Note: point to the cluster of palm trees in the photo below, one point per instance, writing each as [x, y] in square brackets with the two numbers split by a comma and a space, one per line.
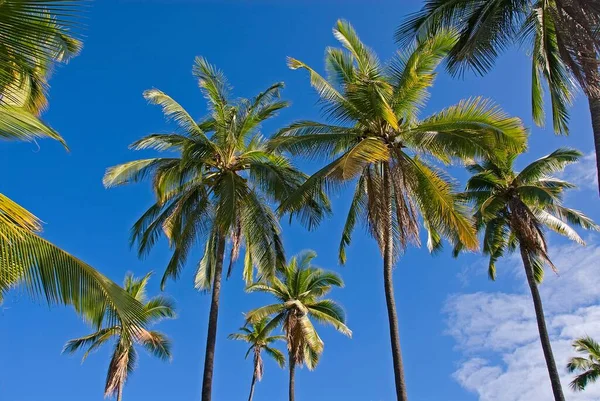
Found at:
[223, 185]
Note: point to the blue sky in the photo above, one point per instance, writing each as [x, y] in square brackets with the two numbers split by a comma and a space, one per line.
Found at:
[461, 334]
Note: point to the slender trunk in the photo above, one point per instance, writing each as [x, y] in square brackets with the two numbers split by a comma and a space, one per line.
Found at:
[252, 386]
[120, 393]
[292, 376]
[594, 102]
[388, 265]
[541, 322]
[211, 339]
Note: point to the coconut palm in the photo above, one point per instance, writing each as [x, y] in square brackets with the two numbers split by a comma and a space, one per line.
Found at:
[562, 36]
[124, 356]
[299, 289]
[215, 186]
[513, 209]
[588, 367]
[258, 335]
[378, 139]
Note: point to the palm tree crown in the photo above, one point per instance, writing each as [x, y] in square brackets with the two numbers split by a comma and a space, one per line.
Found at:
[218, 183]
[299, 289]
[514, 208]
[386, 146]
[588, 367]
[124, 356]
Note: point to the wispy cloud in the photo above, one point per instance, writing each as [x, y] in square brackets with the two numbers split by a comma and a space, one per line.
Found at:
[497, 336]
[583, 173]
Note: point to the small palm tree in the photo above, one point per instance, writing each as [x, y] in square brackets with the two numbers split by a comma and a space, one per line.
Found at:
[513, 209]
[258, 335]
[299, 289]
[588, 367]
[378, 140]
[215, 186]
[124, 356]
[562, 36]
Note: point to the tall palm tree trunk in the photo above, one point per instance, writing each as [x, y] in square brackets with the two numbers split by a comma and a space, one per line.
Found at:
[388, 265]
[541, 322]
[211, 339]
[120, 392]
[252, 386]
[594, 102]
[292, 364]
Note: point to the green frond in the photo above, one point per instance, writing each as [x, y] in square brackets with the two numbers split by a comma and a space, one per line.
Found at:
[49, 273]
[547, 64]
[328, 312]
[552, 163]
[276, 355]
[157, 344]
[213, 84]
[13, 214]
[357, 211]
[472, 128]
[36, 36]
[440, 205]
[413, 72]
[557, 225]
[173, 111]
[19, 124]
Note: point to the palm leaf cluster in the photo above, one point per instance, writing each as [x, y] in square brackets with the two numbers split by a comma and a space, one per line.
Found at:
[514, 208]
[380, 140]
[124, 356]
[299, 290]
[562, 36]
[35, 34]
[588, 367]
[217, 182]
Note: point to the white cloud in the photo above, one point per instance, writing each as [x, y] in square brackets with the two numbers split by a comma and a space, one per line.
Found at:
[497, 335]
[583, 173]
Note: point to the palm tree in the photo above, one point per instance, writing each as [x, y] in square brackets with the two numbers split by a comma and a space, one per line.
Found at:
[513, 209]
[589, 366]
[562, 36]
[299, 289]
[378, 138]
[215, 186]
[258, 335]
[124, 357]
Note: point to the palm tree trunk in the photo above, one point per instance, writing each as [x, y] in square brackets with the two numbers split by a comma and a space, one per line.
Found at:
[211, 339]
[594, 102]
[541, 322]
[292, 364]
[388, 265]
[120, 392]
[252, 386]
